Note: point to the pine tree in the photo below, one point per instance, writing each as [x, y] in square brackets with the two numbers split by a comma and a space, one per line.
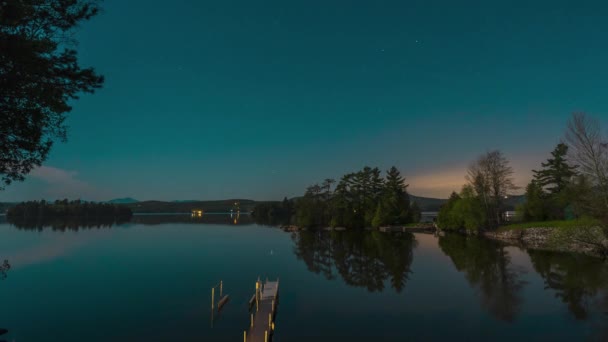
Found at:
[556, 173]
[395, 197]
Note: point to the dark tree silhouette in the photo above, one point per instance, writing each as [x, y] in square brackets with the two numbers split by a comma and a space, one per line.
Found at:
[39, 75]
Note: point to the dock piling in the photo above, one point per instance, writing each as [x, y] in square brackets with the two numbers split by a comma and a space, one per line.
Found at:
[212, 296]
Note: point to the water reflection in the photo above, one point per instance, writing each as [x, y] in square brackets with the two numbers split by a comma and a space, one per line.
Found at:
[361, 259]
[71, 224]
[488, 268]
[579, 281]
[4, 268]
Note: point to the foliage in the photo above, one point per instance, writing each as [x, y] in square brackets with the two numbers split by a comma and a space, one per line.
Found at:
[446, 219]
[38, 78]
[464, 211]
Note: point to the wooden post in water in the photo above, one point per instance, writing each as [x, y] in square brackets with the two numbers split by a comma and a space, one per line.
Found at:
[269, 320]
[252, 320]
[212, 296]
[257, 296]
[266, 336]
[245, 336]
[221, 288]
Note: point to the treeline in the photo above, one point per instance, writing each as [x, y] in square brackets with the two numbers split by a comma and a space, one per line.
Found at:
[360, 199]
[571, 184]
[274, 213]
[64, 209]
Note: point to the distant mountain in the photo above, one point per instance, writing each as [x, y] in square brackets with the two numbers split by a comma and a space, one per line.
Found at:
[427, 203]
[216, 206]
[126, 200]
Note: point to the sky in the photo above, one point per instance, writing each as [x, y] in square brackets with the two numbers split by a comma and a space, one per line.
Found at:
[259, 99]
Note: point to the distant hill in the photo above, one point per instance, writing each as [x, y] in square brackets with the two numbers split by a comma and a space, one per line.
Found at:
[427, 203]
[187, 206]
[125, 200]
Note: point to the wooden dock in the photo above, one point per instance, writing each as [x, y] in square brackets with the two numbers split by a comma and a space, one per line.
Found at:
[263, 312]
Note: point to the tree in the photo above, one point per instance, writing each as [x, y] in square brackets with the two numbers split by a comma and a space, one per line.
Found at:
[555, 177]
[462, 211]
[38, 78]
[395, 197]
[556, 173]
[590, 151]
[535, 206]
[491, 177]
[446, 218]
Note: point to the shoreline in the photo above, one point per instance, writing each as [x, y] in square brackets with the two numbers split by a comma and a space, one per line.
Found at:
[529, 238]
[540, 239]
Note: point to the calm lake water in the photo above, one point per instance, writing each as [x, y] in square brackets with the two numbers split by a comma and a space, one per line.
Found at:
[151, 279]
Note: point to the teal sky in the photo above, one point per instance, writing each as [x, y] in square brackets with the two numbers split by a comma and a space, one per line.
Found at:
[258, 99]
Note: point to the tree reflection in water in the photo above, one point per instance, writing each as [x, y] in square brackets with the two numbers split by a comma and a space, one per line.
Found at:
[4, 268]
[579, 281]
[362, 259]
[487, 267]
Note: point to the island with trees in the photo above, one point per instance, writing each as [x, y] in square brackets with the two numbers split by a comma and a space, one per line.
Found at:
[359, 200]
[67, 214]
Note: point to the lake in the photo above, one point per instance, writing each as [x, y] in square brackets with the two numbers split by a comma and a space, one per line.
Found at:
[150, 280]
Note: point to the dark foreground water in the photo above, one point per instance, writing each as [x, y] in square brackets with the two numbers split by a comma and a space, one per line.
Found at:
[151, 279]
